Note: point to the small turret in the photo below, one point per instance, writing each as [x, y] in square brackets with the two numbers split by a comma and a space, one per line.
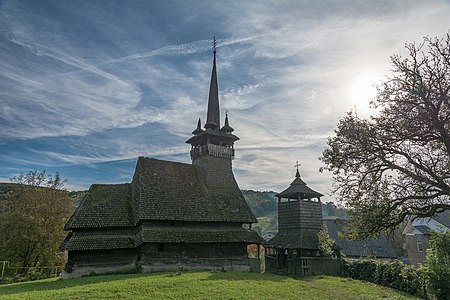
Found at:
[199, 129]
[226, 128]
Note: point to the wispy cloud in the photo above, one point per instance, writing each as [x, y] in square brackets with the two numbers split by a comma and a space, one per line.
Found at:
[89, 86]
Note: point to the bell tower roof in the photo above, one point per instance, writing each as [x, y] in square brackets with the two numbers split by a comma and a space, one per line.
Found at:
[298, 189]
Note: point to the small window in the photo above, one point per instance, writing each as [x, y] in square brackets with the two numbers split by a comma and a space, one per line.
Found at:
[161, 247]
[419, 246]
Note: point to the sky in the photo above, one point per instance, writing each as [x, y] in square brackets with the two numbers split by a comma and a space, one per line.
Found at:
[86, 87]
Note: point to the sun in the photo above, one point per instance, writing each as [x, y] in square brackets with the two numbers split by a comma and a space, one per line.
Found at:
[363, 90]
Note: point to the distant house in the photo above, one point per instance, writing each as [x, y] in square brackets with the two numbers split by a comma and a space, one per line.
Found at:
[377, 248]
[417, 234]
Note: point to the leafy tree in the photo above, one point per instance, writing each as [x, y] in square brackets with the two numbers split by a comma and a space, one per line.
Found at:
[437, 265]
[325, 242]
[396, 163]
[34, 212]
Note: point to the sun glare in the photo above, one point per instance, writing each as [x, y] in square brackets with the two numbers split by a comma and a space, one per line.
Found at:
[363, 90]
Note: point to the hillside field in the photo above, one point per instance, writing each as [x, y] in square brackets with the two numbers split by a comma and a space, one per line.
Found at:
[199, 285]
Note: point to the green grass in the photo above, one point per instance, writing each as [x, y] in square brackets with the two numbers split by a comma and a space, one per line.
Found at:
[199, 285]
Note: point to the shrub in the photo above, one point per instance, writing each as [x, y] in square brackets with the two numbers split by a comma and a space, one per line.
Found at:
[437, 267]
[392, 274]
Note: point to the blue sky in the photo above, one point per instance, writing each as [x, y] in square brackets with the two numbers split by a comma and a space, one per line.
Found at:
[88, 86]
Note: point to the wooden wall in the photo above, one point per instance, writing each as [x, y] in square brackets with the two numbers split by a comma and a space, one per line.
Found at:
[206, 256]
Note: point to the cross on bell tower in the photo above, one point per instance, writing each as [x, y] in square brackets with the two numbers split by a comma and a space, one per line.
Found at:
[297, 165]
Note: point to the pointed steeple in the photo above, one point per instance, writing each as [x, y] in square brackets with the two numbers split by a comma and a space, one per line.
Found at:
[199, 128]
[213, 115]
[214, 142]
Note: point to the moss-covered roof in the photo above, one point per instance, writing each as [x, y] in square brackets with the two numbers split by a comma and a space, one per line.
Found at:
[175, 191]
[200, 236]
[99, 241]
[295, 239]
[105, 205]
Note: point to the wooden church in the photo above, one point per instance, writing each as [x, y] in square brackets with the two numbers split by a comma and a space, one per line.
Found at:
[171, 215]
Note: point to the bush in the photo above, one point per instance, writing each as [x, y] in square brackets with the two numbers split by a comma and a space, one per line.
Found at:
[437, 267]
[392, 274]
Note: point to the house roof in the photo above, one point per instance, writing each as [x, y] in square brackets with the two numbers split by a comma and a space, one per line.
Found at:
[424, 226]
[380, 247]
[423, 229]
[443, 218]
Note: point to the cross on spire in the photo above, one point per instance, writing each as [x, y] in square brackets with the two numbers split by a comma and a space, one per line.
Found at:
[297, 174]
[214, 44]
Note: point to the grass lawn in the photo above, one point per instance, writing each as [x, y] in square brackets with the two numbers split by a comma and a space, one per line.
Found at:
[199, 285]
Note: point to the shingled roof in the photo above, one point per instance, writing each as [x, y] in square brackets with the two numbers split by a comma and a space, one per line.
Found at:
[105, 205]
[298, 190]
[295, 239]
[380, 247]
[200, 236]
[168, 190]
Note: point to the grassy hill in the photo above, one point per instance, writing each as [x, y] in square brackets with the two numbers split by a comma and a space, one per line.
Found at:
[199, 285]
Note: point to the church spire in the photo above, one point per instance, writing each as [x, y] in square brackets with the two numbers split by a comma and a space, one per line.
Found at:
[214, 143]
[213, 116]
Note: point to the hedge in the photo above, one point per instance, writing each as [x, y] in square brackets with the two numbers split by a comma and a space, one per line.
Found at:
[392, 274]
